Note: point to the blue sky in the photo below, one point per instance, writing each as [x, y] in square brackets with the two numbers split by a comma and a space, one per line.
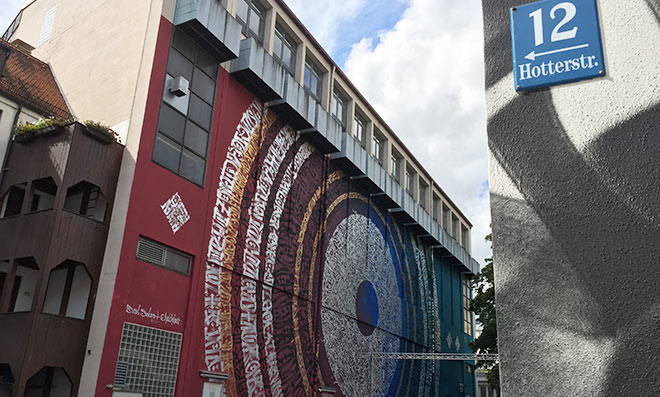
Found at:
[372, 19]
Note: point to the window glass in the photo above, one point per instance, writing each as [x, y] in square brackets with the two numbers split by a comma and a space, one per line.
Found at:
[192, 167]
[172, 123]
[182, 43]
[358, 129]
[242, 10]
[255, 21]
[182, 140]
[207, 64]
[338, 107]
[200, 112]
[177, 262]
[287, 56]
[166, 153]
[178, 65]
[284, 48]
[312, 80]
[203, 86]
[394, 165]
[196, 139]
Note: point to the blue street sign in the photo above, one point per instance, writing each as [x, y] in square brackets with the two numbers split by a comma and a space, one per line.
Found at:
[555, 42]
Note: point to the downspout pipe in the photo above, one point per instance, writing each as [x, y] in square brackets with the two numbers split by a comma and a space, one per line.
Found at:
[11, 140]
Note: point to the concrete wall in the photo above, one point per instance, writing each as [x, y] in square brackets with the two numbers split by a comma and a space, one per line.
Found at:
[574, 197]
[95, 49]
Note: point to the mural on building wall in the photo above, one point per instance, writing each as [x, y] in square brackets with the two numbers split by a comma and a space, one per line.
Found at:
[306, 276]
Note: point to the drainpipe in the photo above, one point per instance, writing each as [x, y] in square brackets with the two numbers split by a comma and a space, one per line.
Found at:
[11, 140]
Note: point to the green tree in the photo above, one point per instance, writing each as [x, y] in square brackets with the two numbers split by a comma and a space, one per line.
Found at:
[483, 305]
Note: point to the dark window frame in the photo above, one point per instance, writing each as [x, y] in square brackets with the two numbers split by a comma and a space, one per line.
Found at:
[260, 10]
[313, 70]
[338, 99]
[190, 123]
[286, 40]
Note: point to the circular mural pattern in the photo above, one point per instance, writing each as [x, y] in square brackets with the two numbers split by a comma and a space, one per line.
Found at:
[358, 264]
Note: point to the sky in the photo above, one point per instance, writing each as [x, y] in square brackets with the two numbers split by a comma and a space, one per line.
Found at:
[420, 65]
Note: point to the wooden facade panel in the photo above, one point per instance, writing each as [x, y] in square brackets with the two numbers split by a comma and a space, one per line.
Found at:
[31, 340]
[14, 344]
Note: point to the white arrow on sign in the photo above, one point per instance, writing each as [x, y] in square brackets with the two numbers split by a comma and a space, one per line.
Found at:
[531, 56]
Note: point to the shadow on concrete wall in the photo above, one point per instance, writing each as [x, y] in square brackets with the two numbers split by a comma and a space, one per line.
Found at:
[578, 300]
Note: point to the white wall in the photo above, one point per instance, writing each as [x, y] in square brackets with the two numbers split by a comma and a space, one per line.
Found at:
[79, 294]
[55, 291]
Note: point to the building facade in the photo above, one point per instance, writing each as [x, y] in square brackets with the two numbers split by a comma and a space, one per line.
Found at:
[574, 181]
[268, 232]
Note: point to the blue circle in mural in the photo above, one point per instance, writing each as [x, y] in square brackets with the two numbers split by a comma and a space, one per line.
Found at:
[366, 308]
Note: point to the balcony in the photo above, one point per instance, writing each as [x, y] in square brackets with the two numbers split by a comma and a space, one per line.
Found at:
[56, 200]
[260, 73]
[356, 162]
[211, 26]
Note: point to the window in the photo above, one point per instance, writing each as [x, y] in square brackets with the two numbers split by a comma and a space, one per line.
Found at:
[49, 381]
[47, 26]
[436, 208]
[359, 126]
[163, 256]
[338, 107]
[465, 239]
[86, 199]
[446, 214]
[148, 360]
[467, 314]
[313, 79]
[284, 49]
[24, 284]
[423, 193]
[378, 147]
[43, 194]
[454, 226]
[13, 201]
[410, 181]
[68, 290]
[184, 123]
[468, 368]
[251, 15]
[395, 166]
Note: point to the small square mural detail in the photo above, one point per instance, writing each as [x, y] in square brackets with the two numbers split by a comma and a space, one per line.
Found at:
[176, 212]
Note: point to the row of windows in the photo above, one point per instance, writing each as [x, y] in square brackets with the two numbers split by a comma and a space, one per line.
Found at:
[67, 293]
[186, 112]
[185, 120]
[83, 198]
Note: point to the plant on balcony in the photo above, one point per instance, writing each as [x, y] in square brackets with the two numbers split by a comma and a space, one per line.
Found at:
[42, 127]
[102, 132]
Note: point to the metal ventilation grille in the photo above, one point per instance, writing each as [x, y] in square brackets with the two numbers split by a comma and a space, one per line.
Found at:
[150, 358]
[150, 251]
[121, 372]
[162, 255]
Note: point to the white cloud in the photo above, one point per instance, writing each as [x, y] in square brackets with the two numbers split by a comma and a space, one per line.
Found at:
[429, 86]
[430, 89]
[323, 19]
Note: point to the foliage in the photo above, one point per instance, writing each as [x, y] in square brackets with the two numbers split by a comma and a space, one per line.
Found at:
[114, 136]
[483, 305]
[31, 129]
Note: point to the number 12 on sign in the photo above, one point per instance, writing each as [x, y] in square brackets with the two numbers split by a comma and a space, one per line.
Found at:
[555, 42]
